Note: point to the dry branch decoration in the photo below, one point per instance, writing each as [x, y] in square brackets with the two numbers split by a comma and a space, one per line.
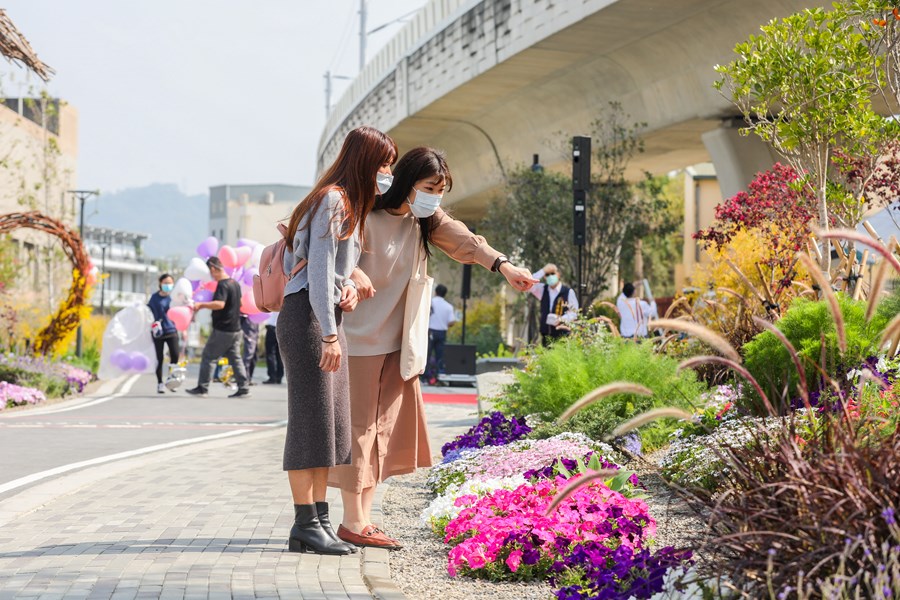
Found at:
[69, 314]
[15, 47]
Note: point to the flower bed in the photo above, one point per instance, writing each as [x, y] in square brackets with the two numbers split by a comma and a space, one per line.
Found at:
[492, 509]
[15, 395]
[52, 379]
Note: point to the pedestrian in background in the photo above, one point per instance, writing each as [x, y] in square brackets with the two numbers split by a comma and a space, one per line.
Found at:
[634, 313]
[225, 338]
[163, 331]
[325, 229]
[274, 366]
[443, 315]
[250, 332]
[559, 304]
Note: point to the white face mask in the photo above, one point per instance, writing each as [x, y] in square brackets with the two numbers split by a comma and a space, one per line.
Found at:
[424, 204]
[383, 182]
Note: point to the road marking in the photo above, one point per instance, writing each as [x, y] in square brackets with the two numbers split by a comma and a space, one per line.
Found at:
[29, 479]
[137, 425]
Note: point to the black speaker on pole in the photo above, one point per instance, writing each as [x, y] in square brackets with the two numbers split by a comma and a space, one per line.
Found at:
[466, 291]
[581, 182]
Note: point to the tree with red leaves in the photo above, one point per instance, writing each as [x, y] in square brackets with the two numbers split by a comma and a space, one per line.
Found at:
[778, 204]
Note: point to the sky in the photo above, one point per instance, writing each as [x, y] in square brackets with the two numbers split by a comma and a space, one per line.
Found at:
[196, 92]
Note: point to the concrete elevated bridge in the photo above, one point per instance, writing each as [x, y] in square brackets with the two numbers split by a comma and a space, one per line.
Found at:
[494, 81]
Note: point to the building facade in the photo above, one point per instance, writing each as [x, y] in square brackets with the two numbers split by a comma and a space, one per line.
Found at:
[251, 211]
[125, 276]
[38, 164]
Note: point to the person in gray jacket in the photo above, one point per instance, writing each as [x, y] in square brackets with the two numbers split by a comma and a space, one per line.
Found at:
[326, 229]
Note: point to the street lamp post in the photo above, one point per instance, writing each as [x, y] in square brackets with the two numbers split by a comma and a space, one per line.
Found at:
[102, 278]
[81, 196]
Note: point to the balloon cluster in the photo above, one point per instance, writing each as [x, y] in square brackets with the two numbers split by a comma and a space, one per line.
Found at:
[241, 262]
[129, 361]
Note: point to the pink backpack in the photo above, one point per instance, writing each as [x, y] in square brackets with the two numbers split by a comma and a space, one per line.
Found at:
[269, 284]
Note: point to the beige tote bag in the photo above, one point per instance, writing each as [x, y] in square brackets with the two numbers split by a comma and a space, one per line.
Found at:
[414, 348]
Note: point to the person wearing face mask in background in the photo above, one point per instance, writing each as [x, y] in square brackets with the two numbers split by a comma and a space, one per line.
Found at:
[389, 434]
[163, 330]
[559, 304]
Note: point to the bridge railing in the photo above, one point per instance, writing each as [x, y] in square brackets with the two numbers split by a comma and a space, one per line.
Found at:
[433, 16]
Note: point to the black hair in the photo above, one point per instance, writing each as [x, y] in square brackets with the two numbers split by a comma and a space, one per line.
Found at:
[165, 276]
[417, 164]
[440, 290]
[628, 289]
[214, 262]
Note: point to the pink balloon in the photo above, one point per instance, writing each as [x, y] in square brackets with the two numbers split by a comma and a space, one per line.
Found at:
[259, 318]
[228, 256]
[248, 304]
[180, 316]
[210, 285]
[202, 295]
[208, 247]
[243, 254]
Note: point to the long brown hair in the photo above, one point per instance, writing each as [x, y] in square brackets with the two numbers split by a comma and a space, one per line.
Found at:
[353, 172]
[417, 164]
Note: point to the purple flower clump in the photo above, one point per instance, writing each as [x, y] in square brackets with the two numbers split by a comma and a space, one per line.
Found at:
[617, 574]
[493, 430]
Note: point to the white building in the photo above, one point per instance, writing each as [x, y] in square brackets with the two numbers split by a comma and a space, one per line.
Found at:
[125, 275]
[251, 211]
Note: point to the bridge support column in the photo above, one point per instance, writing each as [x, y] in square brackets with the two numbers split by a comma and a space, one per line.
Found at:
[737, 158]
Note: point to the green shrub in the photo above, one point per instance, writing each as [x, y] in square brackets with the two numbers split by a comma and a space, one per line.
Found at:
[890, 304]
[804, 325]
[558, 376]
[482, 327]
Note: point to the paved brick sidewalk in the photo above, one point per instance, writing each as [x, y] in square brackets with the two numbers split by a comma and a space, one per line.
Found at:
[205, 521]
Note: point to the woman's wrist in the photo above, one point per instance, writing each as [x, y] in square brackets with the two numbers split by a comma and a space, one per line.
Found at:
[329, 339]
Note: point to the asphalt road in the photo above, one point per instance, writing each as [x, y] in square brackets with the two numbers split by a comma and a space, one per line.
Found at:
[33, 443]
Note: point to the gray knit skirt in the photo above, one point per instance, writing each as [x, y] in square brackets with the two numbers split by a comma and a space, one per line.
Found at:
[318, 429]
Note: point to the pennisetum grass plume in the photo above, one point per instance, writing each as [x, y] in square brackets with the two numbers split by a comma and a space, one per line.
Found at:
[712, 338]
[847, 234]
[666, 412]
[830, 298]
[875, 290]
[616, 387]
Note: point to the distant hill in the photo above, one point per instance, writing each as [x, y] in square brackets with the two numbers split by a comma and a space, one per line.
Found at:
[175, 221]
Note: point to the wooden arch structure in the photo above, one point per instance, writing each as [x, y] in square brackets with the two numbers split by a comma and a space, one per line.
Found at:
[69, 313]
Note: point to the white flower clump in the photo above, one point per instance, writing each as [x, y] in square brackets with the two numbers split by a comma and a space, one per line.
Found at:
[443, 506]
[699, 456]
[695, 588]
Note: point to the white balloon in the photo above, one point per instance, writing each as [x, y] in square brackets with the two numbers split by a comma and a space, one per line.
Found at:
[197, 270]
[257, 254]
[182, 293]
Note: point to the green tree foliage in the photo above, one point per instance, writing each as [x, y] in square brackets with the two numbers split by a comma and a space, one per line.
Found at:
[805, 85]
[482, 326]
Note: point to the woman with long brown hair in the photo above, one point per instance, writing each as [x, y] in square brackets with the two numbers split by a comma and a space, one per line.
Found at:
[389, 431]
[325, 230]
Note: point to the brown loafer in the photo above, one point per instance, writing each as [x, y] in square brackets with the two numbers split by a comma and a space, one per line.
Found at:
[370, 536]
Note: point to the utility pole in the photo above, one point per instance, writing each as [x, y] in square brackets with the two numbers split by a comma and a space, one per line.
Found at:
[362, 34]
[81, 196]
[329, 77]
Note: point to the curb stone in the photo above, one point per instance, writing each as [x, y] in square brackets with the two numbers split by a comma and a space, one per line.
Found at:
[375, 565]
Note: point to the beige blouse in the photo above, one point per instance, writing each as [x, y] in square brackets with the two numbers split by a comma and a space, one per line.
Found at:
[393, 243]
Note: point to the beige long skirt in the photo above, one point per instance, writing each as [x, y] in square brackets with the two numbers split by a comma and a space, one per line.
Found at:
[388, 429]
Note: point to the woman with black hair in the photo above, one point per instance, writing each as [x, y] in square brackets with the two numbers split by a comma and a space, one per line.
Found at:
[389, 433]
[163, 331]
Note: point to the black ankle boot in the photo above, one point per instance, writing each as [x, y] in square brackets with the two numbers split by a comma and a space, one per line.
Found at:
[307, 534]
[325, 522]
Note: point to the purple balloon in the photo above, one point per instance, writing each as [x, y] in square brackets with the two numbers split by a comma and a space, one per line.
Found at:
[202, 295]
[238, 274]
[208, 247]
[195, 284]
[120, 360]
[229, 270]
[139, 362]
[246, 242]
[258, 318]
[247, 279]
